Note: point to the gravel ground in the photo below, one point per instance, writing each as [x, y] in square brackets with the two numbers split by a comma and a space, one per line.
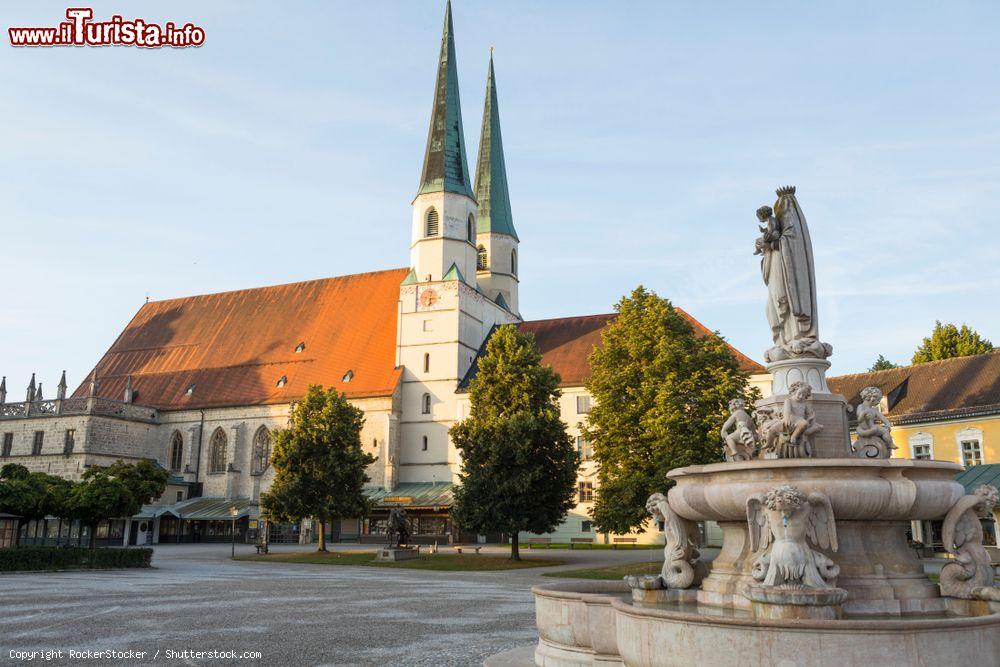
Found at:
[196, 599]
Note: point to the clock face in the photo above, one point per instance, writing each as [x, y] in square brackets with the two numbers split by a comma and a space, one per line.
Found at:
[428, 298]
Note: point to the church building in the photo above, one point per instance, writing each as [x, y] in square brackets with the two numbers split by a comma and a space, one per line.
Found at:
[199, 383]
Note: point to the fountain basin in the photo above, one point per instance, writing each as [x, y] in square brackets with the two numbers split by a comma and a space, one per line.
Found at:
[859, 489]
[595, 623]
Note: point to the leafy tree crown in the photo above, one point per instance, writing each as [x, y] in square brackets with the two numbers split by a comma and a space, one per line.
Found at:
[948, 341]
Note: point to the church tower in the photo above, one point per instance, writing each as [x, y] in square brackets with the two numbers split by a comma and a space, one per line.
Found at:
[496, 240]
[444, 316]
[444, 210]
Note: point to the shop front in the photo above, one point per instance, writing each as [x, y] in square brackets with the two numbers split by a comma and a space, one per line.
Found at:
[428, 513]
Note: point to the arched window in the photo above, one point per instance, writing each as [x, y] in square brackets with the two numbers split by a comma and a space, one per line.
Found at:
[425, 404]
[217, 452]
[472, 229]
[433, 223]
[513, 262]
[481, 263]
[176, 450]
[261, 450]
[427, 362]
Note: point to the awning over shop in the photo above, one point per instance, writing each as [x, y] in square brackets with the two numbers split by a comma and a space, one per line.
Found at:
[414, 495]
[201, 509]
[976, 475]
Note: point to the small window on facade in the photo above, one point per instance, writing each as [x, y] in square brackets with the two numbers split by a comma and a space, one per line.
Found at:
[586, 527]
[374, 444]
[176, 450]
[300, 347]
[348, 376]
[433, 224]
[582, 405]
[261, 450]
[69, 441]
[585, 491]
[472, 228]
[8, 444]
[427, 362]
[481, 260]
[583, 448]
[425, 404]
[36, 445]
[513, 262]
[282, 381]
[180, 496]
[972, 453]
[922, 452]
[428, 325]
[424, 444]
[217, 452]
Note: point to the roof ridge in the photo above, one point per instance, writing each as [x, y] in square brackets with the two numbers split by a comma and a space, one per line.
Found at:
[924, 364]
[264, 287]
[570, 317]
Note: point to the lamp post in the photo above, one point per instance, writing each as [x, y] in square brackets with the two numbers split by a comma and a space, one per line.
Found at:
[233, 512]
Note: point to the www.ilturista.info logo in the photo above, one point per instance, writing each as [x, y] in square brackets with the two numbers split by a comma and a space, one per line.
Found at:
[79, 30]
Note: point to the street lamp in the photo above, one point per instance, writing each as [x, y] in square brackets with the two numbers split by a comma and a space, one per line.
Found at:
[233, 512]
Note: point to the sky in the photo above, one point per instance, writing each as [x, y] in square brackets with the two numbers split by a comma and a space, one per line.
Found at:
[639, 138]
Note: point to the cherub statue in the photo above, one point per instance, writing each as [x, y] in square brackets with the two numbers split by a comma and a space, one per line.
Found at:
[786, 517]
[682, 565]
[874, 430]
[769, 426]
[738, 433]
[799, 421]
[962, 534]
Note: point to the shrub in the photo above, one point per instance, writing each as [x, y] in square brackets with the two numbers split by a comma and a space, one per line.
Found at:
[71, 558]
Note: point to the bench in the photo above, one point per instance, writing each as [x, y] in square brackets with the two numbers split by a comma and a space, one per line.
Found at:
[589, 541]
[532, 541]
[624, 540]
[458, 548]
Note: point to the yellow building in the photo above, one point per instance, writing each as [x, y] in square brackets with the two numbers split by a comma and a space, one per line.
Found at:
[945, 410]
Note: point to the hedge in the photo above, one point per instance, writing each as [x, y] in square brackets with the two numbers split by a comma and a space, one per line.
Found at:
[71, 558]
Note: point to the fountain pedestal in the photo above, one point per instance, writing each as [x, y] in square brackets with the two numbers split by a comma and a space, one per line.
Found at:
[776, 603]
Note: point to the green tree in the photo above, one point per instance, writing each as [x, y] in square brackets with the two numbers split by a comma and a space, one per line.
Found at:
[518, 463]
[31, 496]
[660, 394]
[117, 491]
[948, 341]
[319, 463]
[882, 364]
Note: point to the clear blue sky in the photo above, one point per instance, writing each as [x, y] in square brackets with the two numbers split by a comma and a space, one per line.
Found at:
[640, 137]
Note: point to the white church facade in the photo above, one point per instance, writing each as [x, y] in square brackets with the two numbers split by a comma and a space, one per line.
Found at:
[198, 384]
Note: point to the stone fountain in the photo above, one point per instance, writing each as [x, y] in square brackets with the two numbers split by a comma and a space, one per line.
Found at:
[815, 568]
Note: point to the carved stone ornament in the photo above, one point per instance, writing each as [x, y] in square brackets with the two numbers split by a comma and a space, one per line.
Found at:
[962, 534]
[682, 565]
[874, 430]
[739, 433]
[780, 524]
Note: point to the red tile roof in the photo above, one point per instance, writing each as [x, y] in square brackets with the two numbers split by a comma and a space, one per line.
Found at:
[234, 347]
[950, 388]
[566, 343]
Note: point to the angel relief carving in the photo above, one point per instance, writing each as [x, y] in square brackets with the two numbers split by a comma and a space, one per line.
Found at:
[780, 524]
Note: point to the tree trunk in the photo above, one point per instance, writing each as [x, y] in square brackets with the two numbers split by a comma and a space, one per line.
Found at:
[17, 533]
[93, 537]
[321, 544]
[515, 553]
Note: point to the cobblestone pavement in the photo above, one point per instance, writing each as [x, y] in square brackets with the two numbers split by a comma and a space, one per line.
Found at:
[196, 599]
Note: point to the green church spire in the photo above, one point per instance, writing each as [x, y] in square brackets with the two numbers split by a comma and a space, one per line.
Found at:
[491, 173]
[445, 166]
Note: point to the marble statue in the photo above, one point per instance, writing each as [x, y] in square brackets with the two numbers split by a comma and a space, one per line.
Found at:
[788, 271]
[962, 534]
[874, 430]
[799, 421]
[739, 433]
[770, 424]
[780, 523]
[682, 565]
